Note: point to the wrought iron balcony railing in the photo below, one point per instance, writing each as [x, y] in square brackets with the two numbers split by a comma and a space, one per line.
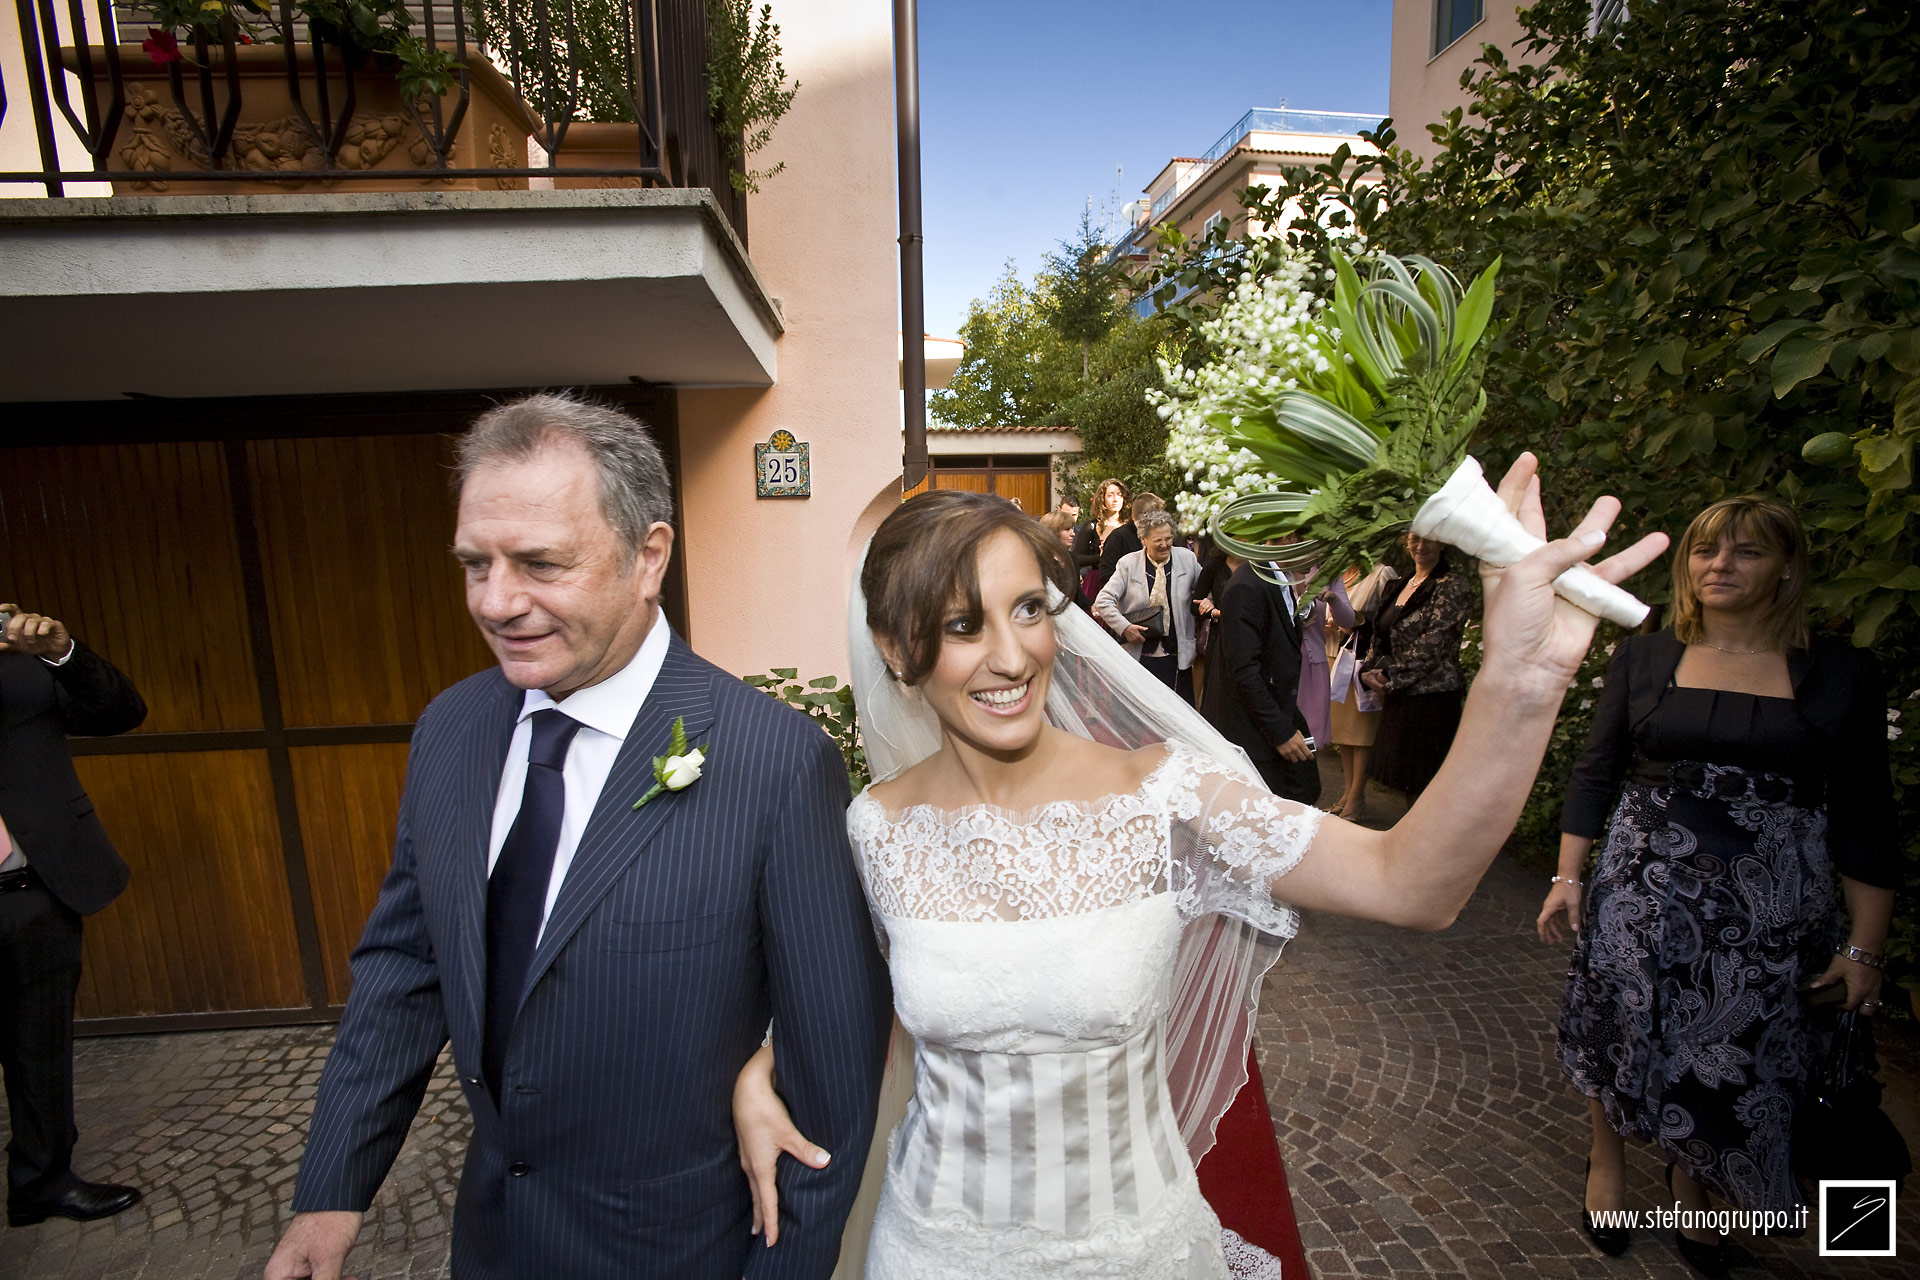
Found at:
[270, 98]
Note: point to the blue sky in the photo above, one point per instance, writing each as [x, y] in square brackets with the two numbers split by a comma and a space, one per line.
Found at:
[1028, 107]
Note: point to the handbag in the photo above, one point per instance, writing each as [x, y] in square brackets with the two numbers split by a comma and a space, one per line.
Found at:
[1840, 1131]
[1346, 675]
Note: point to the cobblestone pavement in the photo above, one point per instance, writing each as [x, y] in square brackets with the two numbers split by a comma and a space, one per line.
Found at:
[1425, 1129]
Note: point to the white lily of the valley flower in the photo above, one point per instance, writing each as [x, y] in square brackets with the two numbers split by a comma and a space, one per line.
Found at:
[683, 771]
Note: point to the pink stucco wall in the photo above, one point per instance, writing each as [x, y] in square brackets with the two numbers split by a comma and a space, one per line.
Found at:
[766, 578]
[1425, 86]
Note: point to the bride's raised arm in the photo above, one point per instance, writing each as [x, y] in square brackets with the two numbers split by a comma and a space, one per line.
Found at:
[1421, 872]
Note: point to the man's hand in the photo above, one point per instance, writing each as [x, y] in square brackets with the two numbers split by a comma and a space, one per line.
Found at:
[1134, 634]
[33, 633]
[1375, 680]
[1295, 748]
[316, 1246]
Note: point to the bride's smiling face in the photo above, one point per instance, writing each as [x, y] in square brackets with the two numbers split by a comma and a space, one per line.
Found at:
[989, 684]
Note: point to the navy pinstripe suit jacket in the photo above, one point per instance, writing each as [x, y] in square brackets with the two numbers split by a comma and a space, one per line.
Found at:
[680, 929]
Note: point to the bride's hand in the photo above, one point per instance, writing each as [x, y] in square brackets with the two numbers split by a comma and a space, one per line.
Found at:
[764, 1129]
[1535, 639]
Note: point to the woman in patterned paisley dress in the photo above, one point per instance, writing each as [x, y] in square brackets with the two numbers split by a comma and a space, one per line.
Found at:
[1031, 887]
[1742, 764]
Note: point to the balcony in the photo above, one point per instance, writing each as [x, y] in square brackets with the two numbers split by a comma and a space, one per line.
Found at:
[1264, 120]
[284, 202]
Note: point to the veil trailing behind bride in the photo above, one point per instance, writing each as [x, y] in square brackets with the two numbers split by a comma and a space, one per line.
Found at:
[1099, 693]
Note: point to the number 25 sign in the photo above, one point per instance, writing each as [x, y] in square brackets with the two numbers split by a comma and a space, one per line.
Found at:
[780, 467]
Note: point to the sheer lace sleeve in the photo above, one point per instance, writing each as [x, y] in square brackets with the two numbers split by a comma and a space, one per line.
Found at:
[863, 830]
[1231, 841]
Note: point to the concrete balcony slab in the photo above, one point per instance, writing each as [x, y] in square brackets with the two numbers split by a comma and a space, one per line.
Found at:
[179, 295]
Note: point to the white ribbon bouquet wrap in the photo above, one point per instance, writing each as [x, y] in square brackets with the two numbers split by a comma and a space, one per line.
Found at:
[1467, 513]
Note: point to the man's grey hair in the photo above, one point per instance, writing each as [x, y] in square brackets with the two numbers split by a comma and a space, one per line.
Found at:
[1147, 523]
[635, 491]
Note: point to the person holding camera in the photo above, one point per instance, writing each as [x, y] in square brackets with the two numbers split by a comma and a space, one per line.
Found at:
[56, 865]
[1148, 603]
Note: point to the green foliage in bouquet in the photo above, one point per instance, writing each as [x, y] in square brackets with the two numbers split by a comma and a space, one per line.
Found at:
[1362, 444]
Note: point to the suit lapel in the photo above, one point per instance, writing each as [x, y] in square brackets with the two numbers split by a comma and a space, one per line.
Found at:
[617, 832]
[1288, 624]
[485, 759]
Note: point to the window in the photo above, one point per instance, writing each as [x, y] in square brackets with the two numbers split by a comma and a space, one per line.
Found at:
[1206, 228]
[1453, 19]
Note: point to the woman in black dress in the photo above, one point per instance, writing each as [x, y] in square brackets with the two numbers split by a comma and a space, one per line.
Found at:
[1414, 660]
[1733, 755]
[1108, 512]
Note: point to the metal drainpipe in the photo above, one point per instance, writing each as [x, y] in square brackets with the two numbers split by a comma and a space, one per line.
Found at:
[913, 307]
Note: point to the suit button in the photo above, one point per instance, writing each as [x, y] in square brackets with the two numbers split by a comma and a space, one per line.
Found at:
[474, 1081]
[519, 1168]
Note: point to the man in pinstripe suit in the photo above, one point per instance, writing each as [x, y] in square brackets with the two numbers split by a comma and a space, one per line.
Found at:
[602, 967]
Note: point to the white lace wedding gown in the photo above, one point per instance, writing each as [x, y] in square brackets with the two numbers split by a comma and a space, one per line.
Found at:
[1032, 957]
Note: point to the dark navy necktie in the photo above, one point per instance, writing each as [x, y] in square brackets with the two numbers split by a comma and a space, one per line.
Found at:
[517, 889]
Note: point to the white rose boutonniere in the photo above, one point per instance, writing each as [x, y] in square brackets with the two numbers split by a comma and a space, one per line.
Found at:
[679, 768]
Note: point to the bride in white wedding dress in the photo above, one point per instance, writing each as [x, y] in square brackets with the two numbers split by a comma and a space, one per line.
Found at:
[1078, 886]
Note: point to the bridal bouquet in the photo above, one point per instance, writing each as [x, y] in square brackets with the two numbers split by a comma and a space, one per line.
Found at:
[1353, 427]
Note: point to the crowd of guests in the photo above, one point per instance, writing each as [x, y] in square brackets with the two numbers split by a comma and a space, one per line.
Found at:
[1283, 674]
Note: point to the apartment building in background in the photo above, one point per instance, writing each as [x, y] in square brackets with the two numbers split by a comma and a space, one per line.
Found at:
[1435, 42]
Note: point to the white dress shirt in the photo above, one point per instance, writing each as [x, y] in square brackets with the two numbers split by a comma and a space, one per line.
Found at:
[605, 712]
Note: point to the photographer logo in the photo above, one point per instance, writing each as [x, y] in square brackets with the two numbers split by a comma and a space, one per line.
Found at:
[1856, 1218]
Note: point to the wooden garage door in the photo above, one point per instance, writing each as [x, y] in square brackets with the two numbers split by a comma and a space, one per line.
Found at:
[286, 605]
[1025, 485]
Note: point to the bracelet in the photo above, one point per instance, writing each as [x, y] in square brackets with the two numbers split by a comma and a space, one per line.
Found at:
[1860, 955]
[1572, 880]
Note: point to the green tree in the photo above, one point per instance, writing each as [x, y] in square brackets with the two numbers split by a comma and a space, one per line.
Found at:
[1085, 290]
[1000, 381]
[1033, 361]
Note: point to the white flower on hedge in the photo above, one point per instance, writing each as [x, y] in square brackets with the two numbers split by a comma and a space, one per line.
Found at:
[1893, 734]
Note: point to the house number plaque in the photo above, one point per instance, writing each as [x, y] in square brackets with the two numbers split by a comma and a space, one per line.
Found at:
[780, 467]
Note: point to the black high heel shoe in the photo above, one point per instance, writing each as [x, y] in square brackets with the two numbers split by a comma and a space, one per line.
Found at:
[1612, 1241]
[1709, 1260]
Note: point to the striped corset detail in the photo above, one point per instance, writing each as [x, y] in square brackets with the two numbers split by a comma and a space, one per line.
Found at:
[1052, 1140]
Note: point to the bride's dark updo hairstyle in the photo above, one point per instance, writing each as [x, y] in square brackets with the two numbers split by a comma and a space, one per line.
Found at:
[920, 568]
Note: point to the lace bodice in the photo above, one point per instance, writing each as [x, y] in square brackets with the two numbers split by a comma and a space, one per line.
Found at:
[1033, 957]
[1190, 828]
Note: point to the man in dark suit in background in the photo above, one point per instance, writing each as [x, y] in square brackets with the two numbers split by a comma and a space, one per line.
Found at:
[56, 865]
[603, 941]
[1253, 683]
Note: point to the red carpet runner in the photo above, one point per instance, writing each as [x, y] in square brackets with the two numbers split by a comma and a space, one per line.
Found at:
[1244, 1181]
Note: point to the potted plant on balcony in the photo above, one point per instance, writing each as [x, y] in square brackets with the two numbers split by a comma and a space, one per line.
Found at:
[214, 86]
[574, 64]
